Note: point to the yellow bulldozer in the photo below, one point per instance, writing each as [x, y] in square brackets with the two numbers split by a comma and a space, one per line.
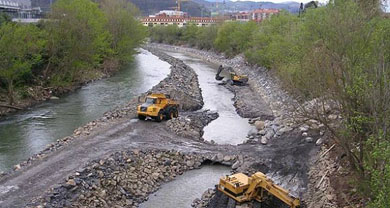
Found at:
[257, 187]
[158, 106]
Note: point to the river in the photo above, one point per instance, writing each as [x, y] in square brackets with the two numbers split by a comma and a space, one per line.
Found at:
[28, 132]
[229, 127]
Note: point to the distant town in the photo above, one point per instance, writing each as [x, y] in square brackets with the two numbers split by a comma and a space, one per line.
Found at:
[25, 11]
[179, 18]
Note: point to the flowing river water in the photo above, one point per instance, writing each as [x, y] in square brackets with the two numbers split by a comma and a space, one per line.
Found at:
[229, 127]
[26, 133]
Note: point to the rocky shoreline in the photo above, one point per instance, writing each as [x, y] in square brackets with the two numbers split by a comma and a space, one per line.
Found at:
[181, 84]
[191, 124]
[124, 179]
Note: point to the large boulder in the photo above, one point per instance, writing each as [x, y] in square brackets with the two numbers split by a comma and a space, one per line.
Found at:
[259, 125]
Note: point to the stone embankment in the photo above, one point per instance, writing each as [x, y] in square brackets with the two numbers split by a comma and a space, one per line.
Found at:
[182, 84]
[126, 179]
[191, 124]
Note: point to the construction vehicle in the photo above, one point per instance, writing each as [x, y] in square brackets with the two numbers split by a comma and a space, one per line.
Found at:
[235, 79]
[258, 187]
[158, 106]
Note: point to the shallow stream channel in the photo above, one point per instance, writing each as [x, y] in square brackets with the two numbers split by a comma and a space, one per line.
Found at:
[28, 132]
[182, 191]
[228, 128]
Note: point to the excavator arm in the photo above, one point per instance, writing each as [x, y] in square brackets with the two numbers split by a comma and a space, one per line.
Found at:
[257, 187]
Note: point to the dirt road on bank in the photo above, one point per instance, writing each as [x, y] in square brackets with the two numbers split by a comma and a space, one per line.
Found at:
[285, 158]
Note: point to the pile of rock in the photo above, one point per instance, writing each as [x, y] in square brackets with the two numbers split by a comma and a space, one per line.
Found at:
[192, 124]
[124, 179]
[204, 201]
[181, 84]
[248, 104]
[266, 130]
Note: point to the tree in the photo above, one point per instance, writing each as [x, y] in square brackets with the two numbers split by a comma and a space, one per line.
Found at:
[78, 39]
[20, 47]
[234, 37]
[126, 31]
[190, 34]
[4, 18]
[206, 37]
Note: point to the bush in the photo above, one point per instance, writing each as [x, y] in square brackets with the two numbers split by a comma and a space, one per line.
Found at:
[234, 37]
[20, 47]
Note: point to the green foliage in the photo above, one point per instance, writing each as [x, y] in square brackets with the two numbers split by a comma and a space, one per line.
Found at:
[234, 37]
[379, 168]
[190, 34]
[78, 37]
[4, 18]
[338, 53]
[127, 32]
[83, 35]
[206, 37]
[275, 44]
[170, 34]
[20, 47]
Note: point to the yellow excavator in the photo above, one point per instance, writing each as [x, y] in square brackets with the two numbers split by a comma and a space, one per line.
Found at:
[235, 79]
[258, 187]
[158, 106]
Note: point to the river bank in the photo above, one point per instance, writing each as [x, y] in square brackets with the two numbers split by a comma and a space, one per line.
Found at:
[32, 95]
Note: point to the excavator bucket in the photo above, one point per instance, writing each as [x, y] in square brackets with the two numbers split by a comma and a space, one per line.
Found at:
[217, 77]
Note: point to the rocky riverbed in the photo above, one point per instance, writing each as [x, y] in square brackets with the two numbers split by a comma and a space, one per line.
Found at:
[124, 179]
[192, 124]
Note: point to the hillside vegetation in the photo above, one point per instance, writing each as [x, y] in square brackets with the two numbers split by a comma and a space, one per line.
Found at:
[337, 56]
[81, 40]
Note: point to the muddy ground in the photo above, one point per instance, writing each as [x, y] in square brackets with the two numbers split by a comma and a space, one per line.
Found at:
[66, 172]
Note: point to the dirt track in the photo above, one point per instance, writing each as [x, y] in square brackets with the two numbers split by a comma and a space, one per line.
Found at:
[285, 158]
